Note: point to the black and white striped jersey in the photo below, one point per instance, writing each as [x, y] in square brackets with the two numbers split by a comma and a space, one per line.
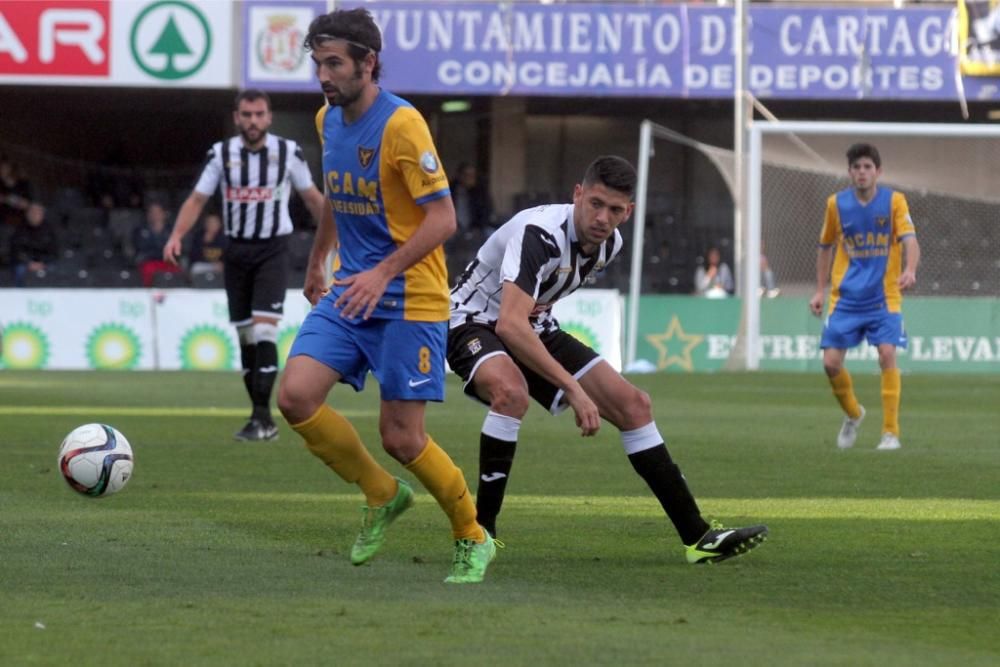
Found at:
[538, 251]
[255, 185]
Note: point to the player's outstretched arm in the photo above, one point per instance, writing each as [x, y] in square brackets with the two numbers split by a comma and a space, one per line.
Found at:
[514, 329]
[186, 217]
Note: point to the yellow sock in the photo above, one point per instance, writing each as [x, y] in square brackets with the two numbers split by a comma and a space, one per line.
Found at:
[444, 480]
[843, 391]
[891, 391]
[332, 439]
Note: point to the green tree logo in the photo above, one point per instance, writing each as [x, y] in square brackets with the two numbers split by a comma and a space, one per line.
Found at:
[175, 27]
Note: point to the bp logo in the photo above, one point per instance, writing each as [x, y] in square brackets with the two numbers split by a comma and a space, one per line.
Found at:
[206, 348]
[113, 347]
[280, 46]
[582, 333]
[171, 40]
[25, 346]
[285, 339]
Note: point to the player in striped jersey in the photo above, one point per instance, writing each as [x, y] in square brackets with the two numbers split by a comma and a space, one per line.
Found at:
[255, 171]
[388, 211]
[507, 347]
[866, 231]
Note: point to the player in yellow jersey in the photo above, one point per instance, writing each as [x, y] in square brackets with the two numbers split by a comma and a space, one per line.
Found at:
[867, 236]
[388, 211]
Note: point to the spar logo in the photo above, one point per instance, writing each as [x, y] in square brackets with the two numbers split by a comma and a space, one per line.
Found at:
[170, 40]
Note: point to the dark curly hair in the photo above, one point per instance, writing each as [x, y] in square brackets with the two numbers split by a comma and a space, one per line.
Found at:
[354, 26]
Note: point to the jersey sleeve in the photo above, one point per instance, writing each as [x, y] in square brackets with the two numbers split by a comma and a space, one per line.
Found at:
[902, 223]
[527, 257]
[831, 224]
[411, 149]
[320, 118]
[211, 173]
[298, 168]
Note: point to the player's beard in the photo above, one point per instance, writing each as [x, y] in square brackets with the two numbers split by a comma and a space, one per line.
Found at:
[348, 95]
[250, 140]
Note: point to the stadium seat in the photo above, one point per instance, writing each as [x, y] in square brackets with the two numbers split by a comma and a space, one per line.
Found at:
[206, 280]
[168, 279]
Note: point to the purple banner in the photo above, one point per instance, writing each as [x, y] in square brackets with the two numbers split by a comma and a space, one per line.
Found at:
[273, 53]
[623, 50]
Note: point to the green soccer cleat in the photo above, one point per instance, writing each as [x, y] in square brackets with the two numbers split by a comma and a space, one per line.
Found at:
[720, 543]
[471, 560]
[376, 520]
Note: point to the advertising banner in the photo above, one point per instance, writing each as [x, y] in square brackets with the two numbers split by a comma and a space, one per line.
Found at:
[688, 334]
[979, 37]
[594, 316]
[148, 43]
[77, 329]
[273, 51]
[664, 50]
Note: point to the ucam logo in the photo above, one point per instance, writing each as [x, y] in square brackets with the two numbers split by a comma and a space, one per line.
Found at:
[45, 38]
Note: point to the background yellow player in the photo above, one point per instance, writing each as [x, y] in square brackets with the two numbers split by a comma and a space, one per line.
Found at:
[866, 231]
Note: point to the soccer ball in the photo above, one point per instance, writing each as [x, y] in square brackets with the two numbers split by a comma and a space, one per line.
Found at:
[95, 460]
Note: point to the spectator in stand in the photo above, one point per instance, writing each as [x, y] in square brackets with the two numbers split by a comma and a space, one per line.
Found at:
[714, 279]
[15, 193]
[148, 242]
[33, 246]
[207, 247]
[473, 209]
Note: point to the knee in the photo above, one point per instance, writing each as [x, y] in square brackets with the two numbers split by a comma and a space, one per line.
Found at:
[509, 399]
[636, 410]
[295, 404]
[832, 367]
[402, 444]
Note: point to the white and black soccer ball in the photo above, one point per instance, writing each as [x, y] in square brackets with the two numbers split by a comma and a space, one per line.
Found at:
[95, 460]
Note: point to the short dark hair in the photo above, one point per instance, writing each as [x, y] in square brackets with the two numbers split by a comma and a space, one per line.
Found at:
[354, 26]
[614, 172]
[251, 94]
[858, 151]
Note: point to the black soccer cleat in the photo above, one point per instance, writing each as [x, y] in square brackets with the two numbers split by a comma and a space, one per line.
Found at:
[721, 543]
[257, 430]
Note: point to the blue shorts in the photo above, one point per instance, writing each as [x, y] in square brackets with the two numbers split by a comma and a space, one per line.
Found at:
[407, 358]
[846, 329]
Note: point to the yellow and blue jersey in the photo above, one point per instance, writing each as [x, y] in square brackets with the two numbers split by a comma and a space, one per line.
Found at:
[378, 171]
[868, 250]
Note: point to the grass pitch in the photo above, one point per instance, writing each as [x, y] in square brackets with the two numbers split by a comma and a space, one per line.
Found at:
[219, 552]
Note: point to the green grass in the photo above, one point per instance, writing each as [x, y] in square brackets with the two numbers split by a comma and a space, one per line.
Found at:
[226, 553]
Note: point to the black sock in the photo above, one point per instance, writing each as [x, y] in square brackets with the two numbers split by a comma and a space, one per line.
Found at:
[248, 359]
[495, 460]
[264, 374]
[670, 488]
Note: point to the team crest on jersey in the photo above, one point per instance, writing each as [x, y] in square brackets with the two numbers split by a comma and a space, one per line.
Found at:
[882, 221]
[428, 162]
[475, 346]
[365, 156]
